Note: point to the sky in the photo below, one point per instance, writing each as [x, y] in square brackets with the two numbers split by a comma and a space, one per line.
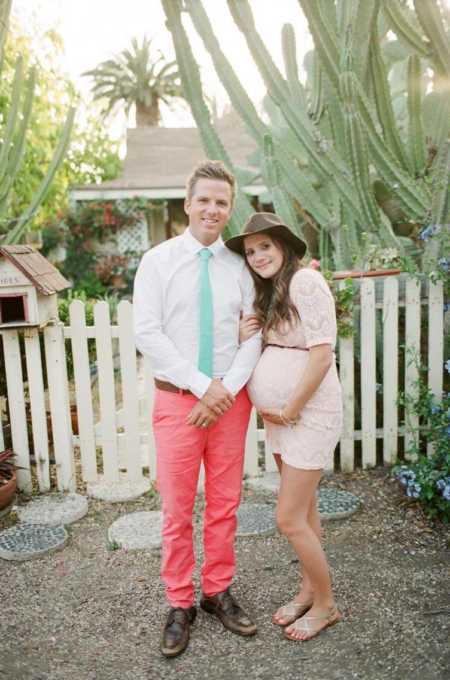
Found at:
[95, 30]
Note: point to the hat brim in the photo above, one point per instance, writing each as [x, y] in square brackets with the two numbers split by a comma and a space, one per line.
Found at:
[280, 231]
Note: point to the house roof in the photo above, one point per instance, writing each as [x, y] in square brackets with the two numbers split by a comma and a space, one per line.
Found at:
[36, 268]
[161, 158]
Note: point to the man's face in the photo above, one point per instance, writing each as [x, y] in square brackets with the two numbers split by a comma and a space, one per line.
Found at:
[208, 209]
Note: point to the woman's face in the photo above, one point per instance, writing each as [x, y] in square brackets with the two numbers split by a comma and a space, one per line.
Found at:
[263, 255]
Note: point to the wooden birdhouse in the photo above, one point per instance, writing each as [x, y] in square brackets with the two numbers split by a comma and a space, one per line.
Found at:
[29, 284]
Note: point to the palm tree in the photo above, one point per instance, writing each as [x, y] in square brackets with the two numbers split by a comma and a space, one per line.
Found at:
[137, 76]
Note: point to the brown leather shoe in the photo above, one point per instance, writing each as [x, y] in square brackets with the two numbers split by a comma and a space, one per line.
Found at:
[224, 606]
[175, 637]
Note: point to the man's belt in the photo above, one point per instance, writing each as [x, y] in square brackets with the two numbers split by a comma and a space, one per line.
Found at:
[168, 387]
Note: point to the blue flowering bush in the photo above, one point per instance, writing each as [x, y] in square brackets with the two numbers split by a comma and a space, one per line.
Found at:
[426, 479]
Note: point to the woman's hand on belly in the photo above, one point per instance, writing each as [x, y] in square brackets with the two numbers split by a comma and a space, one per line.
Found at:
[279, 416]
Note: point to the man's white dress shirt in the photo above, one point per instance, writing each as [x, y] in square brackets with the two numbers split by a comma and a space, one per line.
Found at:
[166, 314]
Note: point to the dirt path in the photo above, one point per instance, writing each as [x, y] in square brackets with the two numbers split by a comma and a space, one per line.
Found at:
[87, 613]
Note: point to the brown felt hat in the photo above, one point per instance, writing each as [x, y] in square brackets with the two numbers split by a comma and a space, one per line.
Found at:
[270, 224]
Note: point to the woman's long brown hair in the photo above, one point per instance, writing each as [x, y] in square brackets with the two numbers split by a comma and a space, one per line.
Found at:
[273, 304]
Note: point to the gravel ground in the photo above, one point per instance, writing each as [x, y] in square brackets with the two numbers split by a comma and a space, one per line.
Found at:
[92, 613]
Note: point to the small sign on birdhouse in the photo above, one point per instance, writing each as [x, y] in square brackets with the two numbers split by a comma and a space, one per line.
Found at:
[29, 284]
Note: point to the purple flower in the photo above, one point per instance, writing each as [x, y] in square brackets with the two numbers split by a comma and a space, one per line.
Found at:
[444, 264]
[446, 493]
[429, 231]
[435, 410]
[446, 306]
[447, 365]
[413, 490]
[440, 484]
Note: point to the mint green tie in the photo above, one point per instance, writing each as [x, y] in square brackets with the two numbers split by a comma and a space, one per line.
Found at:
[205, 345]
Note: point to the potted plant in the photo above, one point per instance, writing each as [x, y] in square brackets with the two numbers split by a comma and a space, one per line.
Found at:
[8, 479]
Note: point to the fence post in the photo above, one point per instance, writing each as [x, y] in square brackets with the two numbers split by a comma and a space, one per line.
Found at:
[368, 373]
[390, 369]
[58, 388]
[37, 405]
[106, 392]
[16, 404]
[83, 391]
[412, 355]
[129, 391]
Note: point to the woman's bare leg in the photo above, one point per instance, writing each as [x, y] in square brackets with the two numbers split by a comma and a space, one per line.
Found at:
[297, 492]
[306, 591]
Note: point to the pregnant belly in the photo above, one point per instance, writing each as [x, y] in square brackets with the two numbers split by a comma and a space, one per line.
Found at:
[277, 374]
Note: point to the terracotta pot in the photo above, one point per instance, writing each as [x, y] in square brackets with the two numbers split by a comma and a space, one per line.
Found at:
[7, 491]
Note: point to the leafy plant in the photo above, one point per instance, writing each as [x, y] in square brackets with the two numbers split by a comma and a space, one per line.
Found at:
[426, 479]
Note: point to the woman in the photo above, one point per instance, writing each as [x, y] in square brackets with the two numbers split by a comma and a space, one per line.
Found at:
[295, 387]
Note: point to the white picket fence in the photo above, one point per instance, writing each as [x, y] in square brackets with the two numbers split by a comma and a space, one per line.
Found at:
[114, 440]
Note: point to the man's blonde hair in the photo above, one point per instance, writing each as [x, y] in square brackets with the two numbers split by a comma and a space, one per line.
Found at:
[210, 170]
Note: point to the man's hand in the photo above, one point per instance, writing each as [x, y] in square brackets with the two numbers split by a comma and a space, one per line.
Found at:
[201, 416]
[217, 398]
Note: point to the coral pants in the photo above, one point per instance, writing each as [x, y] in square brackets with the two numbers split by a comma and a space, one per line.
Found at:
[180, 448]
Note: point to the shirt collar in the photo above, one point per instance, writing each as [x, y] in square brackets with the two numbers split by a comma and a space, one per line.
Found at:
[195, 246]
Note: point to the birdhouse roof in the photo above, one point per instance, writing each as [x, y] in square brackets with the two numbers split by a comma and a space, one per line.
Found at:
[42, 274]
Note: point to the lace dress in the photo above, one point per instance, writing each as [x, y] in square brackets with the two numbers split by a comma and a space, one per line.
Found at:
[311, 443]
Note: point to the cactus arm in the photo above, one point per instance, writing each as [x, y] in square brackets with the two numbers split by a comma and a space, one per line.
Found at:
[440, 202]
[383, 102]
[290, 64]
[364, 34]
[17, 150]
[5, 10]
[436, 114]
[358, 153]
[8, 133]
[190, 78]
[281, 201]
[324, 39]
[430, 19]
[325, 163]
[15, 235]
[416, 134]
[404, 24]
[413, 198]
[297, 183]
[317, 99]
[237, 93]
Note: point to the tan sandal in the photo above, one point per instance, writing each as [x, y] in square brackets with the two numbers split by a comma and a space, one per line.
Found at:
[303, 624]
[290, 612]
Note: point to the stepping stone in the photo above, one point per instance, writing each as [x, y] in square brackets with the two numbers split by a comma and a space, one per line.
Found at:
[333, 503]
[120, 491]
[137, 531]
[26, 541]
[54, 509]
[255, 519]
[337, 504]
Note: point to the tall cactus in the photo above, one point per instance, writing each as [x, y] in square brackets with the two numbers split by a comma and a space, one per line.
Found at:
[334, 149]
[192, 88]
[13, 141]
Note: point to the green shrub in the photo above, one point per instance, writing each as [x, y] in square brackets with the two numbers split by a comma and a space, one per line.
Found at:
[426, 479]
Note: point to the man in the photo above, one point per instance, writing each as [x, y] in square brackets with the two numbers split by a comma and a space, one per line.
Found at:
[189, 294]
